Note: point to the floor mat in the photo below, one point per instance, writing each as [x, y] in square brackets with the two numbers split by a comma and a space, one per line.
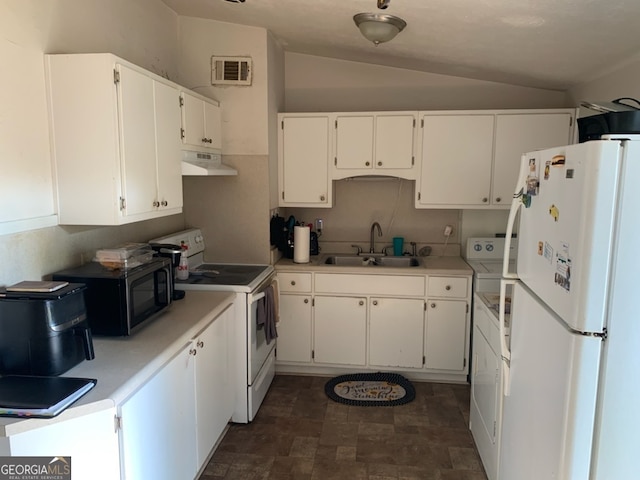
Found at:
[370, 389]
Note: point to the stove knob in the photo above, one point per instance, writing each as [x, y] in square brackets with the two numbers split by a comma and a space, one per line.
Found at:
[477, 247]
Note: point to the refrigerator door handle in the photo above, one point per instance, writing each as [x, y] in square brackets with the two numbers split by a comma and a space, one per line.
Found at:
[516, 204]
[504, 349]
[506, 376]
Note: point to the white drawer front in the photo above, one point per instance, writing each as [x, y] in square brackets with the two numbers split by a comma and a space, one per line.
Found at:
[396, 285]
[294, 282]
[448, 287]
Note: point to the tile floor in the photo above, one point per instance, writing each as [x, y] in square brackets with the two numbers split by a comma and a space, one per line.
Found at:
[300, 434]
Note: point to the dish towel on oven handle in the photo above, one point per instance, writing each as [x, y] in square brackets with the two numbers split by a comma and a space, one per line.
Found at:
[267, 314]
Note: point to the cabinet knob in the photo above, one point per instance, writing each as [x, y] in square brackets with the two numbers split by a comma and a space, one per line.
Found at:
[306, 300]
[156, 204]
[361, 302]
[433, 305]
[322, 198]
[200, 344]
[375, 302]
[485, 200]
[164, 203]
[367, 163]
[448, 287]
[204, 140]
[498, 199]
[193, 352]
[293, 282]
[379, 164]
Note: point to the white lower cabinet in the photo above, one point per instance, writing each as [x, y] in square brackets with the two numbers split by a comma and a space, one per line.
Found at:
[445, 335]
[170, 425]
[340, 330]
[412, 323]
[158, 422]
[396, 329]
[90, 440]
[294, 330]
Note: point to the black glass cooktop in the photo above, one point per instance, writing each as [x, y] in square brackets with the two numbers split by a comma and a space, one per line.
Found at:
[225, 274]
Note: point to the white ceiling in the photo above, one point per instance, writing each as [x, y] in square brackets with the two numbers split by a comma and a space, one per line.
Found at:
[538, 43]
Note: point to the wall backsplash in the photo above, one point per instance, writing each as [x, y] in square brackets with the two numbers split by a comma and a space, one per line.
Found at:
[389, 201]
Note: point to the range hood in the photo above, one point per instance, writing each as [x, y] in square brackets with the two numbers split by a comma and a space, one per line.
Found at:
[204, 164]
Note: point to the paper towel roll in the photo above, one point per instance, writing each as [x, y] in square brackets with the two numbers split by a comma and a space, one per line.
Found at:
[301, 236]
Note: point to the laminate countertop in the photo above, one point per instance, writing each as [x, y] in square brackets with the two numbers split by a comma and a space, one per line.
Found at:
[436, 265]
[124, 364]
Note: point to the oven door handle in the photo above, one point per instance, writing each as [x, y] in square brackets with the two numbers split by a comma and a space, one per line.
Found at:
[254, 298]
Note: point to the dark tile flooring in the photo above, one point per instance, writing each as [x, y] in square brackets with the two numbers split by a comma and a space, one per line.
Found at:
[301, 434]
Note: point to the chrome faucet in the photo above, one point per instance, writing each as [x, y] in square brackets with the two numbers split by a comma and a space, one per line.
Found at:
[372, 244]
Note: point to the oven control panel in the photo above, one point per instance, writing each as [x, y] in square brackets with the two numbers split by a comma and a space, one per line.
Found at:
[489, 248]
[192, 238]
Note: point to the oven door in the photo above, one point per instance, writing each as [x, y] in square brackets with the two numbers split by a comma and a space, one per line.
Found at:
[257, 348]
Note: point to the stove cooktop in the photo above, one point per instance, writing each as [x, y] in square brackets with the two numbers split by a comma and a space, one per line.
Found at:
[225, 274]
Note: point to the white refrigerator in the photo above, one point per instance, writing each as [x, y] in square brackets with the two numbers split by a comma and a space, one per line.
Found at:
[571, 407]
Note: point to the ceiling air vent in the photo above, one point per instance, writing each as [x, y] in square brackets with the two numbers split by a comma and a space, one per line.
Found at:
[230, 70]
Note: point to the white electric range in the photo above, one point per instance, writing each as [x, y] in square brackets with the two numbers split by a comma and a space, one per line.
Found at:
[255, 358]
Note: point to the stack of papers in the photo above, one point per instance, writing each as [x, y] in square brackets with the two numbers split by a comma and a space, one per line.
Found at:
[40, 396]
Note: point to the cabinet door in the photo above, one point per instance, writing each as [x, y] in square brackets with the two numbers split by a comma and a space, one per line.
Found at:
[394, 141]
[137, 130]
[304, 161]
[294, 329]
[521, 133]
[457, 153]
[340, 329]
[396, 332]
[167, 113]
[445, 335]
[193, 120]
[213, 125]
[214, 384]
[90, 440]
[354, 142]
[158, 424]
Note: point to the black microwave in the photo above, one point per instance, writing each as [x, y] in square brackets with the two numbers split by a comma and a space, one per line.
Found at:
[119, 301]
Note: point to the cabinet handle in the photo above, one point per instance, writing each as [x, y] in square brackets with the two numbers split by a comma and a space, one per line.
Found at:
[499, 199]
[293, 282]
[485, 200]
[375, 302]
[361, 303]
[193, 352]
[306, 300]
[367, 163]
[322, 198]
[204, 140]
[164, 203]
[156, 204]
[433, 305]
[448, 287]
[200, 344]
[379, 164]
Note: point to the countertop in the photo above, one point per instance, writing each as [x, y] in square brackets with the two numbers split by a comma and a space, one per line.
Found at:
[436, 265]
[123, 364]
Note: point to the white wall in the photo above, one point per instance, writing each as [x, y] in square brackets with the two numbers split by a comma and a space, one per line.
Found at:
[141, 31]
[623, 81]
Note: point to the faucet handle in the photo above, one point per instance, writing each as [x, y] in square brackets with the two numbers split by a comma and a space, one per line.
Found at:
[358, 249]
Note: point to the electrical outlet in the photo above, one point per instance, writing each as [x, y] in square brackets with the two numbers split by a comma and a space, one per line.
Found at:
[448, 230]
[319, 225]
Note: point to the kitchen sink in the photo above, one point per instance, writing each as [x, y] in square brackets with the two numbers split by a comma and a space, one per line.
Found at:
[371, 261]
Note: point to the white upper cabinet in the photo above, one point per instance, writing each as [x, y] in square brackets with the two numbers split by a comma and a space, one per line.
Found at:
[115, 140]
[520, 133]
[201, 122]
[471, 159]
[303, 160]
[376, 143]
[457, 151]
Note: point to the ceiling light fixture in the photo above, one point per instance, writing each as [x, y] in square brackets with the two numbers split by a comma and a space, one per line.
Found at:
[379, 28]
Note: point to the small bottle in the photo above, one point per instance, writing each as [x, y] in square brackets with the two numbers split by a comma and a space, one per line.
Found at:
[183, 266]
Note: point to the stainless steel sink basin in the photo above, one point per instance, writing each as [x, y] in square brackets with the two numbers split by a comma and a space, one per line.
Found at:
[371, 261]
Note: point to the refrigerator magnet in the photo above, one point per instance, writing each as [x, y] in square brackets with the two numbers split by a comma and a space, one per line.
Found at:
[547, 170]
[558, 160]
[554, 212]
